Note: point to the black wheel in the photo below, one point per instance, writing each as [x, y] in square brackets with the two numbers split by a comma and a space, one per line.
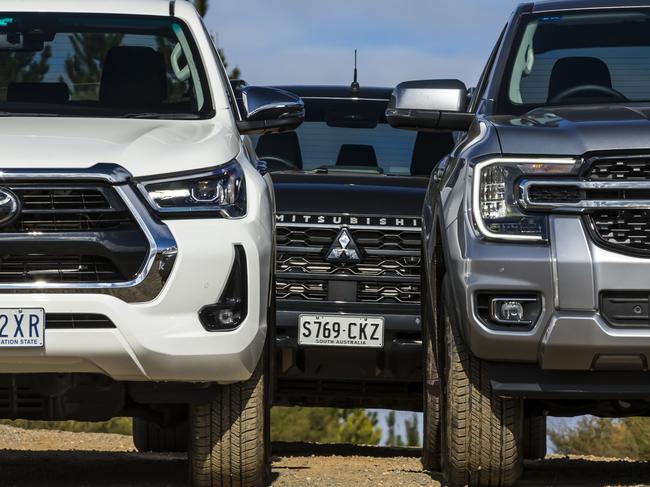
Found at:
[229, 439]
[151, 437]
[534, 437]
[483, 432]
[431, 453]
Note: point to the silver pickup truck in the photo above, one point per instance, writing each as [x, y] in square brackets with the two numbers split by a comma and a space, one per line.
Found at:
[537, 236]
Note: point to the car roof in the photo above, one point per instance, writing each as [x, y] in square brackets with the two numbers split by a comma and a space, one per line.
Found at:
[339, 92]
[557, 5]
[140, 7]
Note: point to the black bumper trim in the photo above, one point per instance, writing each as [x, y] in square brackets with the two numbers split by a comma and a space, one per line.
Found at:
[530, 382]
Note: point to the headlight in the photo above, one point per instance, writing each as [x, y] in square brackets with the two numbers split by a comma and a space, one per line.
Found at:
[220, 191]
[495, 204]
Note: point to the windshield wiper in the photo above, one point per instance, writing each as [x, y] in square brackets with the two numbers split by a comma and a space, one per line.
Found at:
[160, 116]
[28, 114]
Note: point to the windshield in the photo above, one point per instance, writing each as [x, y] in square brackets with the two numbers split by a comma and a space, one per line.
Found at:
[353, 136]
[579, 58]
[99, 66]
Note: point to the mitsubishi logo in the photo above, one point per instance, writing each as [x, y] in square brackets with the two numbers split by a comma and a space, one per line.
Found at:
[344, 250]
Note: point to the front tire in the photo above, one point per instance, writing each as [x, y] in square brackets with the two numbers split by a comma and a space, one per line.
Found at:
[483, 432]
[229, 440]
[431, 454]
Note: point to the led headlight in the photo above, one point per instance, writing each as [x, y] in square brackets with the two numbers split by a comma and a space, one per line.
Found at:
[495, 204]
[220, 191]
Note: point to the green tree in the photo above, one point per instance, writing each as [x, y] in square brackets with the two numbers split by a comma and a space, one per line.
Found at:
[84, 67]
[324, 425]
[624, 438]
[390, 422]
[24, 67]
[412, 431]
[393, 439]
[359, 427]
[201, 6]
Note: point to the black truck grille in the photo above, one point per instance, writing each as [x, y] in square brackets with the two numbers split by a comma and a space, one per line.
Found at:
[620, 169]
[57, 268]
[391, 240]
[72, 233]
[623, 229]
[389, 271]
[371, 266]
[555, 194]
[68, 209]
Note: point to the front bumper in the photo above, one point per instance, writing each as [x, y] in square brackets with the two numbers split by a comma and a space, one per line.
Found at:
[161, 340]
[569, 274]
[389, 377]
[157, 334]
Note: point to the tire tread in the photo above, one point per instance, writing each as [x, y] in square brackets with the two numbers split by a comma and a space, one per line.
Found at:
[227, 448]
[484, 431]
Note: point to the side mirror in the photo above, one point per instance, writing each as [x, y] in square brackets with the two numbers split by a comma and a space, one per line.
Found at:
[269, 110]
[429, 106]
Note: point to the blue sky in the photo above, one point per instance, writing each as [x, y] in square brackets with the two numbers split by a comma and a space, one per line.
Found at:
[312, 42]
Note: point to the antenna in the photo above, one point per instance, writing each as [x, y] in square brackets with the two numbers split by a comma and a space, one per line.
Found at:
[355, 87]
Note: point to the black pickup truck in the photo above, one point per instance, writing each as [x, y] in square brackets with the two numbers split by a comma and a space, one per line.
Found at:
[349, 191]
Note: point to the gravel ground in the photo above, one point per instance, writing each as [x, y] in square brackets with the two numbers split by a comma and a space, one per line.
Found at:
[57, 459]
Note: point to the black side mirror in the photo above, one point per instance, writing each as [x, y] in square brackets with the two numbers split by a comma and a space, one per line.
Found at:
[269, 110]
[429, 106]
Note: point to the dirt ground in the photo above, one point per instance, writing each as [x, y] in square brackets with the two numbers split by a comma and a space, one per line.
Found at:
[58, 459]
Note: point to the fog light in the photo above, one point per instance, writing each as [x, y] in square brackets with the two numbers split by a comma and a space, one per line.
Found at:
[231, 309]
[515, 310]
[512, 311]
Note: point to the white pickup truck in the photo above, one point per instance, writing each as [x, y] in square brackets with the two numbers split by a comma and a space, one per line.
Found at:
[135, 230]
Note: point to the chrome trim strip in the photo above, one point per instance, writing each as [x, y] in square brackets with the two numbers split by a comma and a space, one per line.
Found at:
[355, 227]
[587, 204]
[147, 284]
[110, 173]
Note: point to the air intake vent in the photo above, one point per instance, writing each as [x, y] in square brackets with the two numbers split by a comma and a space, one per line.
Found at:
[57, 268]
[77, 322]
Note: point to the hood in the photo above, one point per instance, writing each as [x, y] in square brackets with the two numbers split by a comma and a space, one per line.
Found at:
[347, 193]
[575, 130]
[143, 147]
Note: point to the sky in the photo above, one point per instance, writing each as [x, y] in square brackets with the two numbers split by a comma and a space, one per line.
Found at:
[313, 42]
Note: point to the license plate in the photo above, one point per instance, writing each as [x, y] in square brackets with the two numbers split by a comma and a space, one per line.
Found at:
[341, 331]
[22, 328]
